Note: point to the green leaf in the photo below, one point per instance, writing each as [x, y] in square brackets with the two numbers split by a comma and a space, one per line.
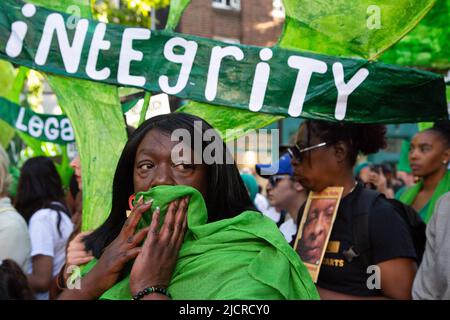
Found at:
[96, 117]
[11, 85]
[177, 8]
[7, 75]
[80, 8]
[426, 46]
[230, 123]
[363, 28]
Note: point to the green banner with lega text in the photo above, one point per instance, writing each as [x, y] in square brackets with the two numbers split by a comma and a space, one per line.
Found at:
[269, 80]
[43, 127]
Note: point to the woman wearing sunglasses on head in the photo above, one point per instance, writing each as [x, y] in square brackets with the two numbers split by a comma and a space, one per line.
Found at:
[324, 156]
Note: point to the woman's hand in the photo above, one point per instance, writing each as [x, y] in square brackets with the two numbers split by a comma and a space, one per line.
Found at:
[155, 263]
[379, 180]
[123, 249]
[76, 254]
[76, 251]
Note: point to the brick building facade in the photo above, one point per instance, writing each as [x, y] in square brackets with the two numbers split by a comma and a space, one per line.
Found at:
[251, 22]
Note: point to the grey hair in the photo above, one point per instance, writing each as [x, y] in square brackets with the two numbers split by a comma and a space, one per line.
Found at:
[5, 177]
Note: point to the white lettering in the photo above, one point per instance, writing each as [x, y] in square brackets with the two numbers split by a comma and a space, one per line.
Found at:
[128, 54]
[71, 54]
[260, 81]
[217, 55]
[66, 130]
[51, 133]
[186, 59]
[98, 43]
[306, 67]
[345, 89]
[19, 121]
[19, 30]
[35, 126]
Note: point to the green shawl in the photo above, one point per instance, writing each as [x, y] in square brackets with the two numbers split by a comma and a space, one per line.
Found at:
[426, 212]
[245, 257]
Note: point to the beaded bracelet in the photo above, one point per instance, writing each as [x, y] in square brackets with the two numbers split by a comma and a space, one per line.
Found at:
[151, 290]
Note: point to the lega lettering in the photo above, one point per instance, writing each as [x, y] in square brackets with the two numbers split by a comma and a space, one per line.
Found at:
[51, 127]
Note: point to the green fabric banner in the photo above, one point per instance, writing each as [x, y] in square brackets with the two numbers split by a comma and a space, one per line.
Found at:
[268, 80]
[44, 127]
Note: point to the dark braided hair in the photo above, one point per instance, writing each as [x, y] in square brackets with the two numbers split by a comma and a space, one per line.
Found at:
[360, 138]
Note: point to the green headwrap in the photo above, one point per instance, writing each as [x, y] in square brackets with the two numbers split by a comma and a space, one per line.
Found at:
[245, 257]
[250, 184]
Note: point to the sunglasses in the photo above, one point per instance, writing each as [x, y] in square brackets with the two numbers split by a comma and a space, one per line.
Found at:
[297, 153]
[273, 180]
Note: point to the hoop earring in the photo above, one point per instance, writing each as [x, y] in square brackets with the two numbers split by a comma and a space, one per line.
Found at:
[130, 201]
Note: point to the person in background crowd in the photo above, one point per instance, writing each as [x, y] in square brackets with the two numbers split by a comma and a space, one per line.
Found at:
[72, 193]
[407, 179]
[261, 203]
[250, 184]
[76, 253]
[41, 201]
[373, 177]
[13, 282]
[432, 281]
[393, 182]
[429, 157]
[76, 166]
[285, 194]
[403, 169]
[14, 238]
[324, 155]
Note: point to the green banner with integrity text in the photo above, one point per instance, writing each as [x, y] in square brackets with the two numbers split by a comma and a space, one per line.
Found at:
[269, 80]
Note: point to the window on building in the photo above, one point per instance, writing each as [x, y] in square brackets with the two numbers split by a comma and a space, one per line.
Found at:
[278, 9]
[227, 4]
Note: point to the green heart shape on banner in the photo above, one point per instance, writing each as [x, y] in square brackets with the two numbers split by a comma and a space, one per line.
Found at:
[363, 28]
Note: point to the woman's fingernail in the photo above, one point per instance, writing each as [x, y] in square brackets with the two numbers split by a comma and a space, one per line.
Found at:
[141, 199]
[157, 209]
[150, 201]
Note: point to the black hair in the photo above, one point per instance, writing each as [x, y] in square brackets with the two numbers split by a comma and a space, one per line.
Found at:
[40, 187]
[73, 186]
[360, 138]
[226, 193]
[13, 282]
[442, 129]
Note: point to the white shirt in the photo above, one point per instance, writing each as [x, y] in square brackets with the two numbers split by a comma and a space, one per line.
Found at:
[263, 205]
[45, 239]
[14, 238]
[288, 228]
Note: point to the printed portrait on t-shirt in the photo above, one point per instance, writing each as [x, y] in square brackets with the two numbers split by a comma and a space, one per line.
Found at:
[315, 227]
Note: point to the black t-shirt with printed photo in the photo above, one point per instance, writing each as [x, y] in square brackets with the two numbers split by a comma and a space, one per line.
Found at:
[389, 238]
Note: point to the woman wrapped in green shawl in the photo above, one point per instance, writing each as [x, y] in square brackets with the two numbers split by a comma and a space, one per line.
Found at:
[192, 229]
[429, 157]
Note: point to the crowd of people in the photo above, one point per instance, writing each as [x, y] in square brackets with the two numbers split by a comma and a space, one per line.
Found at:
[179, 229]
